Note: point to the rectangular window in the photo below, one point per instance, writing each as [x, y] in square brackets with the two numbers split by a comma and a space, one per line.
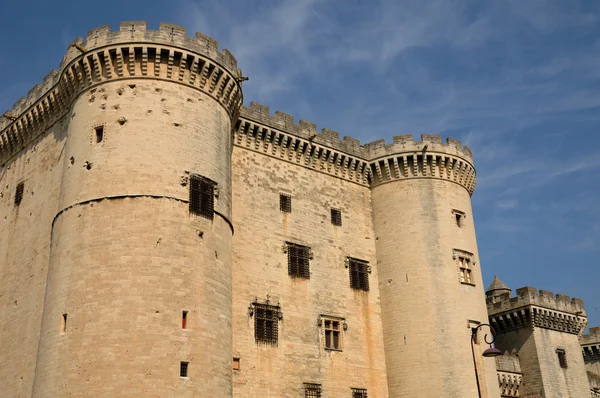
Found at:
[466, 274]
[98, 134]
[202, 194]
[236, 363]
[183, 369]
[359, 393]
[19, 193]
[459, 217]
[359, 274]
[298, 260]
[312, 390]
[333, 338]
[336, 217]
[285, 203]
[63, 323]
[562, 358]
[266, 323]
[184, 320]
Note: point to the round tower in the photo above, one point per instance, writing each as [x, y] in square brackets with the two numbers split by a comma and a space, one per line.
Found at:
[432, 294]
[138, 299]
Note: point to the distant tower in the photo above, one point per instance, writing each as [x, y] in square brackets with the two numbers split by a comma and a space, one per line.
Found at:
[139, 281]
[543, 330]
[432, 294]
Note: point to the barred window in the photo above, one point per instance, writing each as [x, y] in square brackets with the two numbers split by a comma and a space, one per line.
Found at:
[562, 358]
[298, 260]
[19, 193]
[312, 390]
[359, 274]
[336, 217]
[333, 338]
[285, 203]
[183, 369]
[266, 323]
[359, 393]
[202, 193]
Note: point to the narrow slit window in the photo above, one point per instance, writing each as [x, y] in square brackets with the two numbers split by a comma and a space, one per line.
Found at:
[312, 390]
[285, 203]
[266, 323]
[298, 261]
[184, 319]
[202, 194]
[562, 358]
[236, 363]
[359, 274]
[19, 193]
[98, 134]
[359, 393]
[63, 323]
[336, 217]
[183, 369]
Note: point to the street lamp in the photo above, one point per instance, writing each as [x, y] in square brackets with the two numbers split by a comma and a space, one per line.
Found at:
[489, 353]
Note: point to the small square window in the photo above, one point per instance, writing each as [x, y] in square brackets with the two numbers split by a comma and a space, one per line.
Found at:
[266, 323]
[19, 193]
[236, 363]
[359, 393]
[312, 390]
[202, 194]
[285, 203]
[183, 369]
[336, 217]
[359, 274]
[98, 134]
[298, 260]
[562, 358]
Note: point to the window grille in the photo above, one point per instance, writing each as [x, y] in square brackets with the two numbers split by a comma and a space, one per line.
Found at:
[266, 323]
[202, 194]
[359, 274]
[19, 193]
[312, 390]
[359, 393]
[183, 369]
[332, 330]
[285, 203]
[298, 260]
[336, 217]
[562, 358]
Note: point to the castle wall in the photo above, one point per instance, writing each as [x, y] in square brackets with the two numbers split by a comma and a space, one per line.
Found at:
[25, 243]
[424, 304]
[260, 270]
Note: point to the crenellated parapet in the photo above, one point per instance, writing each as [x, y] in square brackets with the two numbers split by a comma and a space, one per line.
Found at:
[590, 344]
[531, 308]
[132, 52]
[509, 373]
[370, 164]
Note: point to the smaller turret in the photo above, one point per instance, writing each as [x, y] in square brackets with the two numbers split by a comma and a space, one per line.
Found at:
[496, 291]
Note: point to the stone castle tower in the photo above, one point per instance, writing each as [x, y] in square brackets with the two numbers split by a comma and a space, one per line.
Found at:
[160, 239]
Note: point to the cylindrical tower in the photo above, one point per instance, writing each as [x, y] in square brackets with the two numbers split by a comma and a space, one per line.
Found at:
[432, 295]
[138, 299]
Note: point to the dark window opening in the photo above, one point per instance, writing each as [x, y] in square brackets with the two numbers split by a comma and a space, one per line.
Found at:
[236, 364]
[202, 194]
[298, 261]
[19, 193]
[285, 203]
[184, 320]
[63, 323]
[336, 217]
[183, 369]
[266, 323]
[459, 218]
[99, 133]
[562, 358]
[332, 335]
[312, 390]
[359, 393]
[474, 335]
[359, 274]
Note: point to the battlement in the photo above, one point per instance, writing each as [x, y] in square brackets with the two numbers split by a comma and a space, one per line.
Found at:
[508, 362]
[593, 337]
[428, 143]
[528, 295]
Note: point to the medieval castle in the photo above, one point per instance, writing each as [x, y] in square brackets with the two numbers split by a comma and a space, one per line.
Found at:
[161, 240]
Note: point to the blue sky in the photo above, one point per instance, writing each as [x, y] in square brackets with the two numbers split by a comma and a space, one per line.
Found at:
[518, 81]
